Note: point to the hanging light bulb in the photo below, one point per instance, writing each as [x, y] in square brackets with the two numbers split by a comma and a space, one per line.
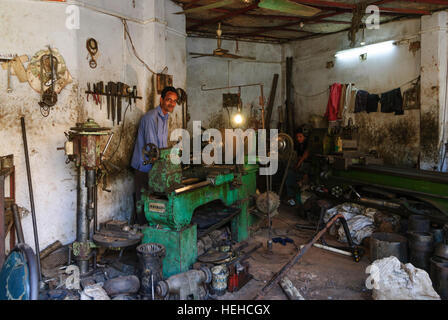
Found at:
[238, 118]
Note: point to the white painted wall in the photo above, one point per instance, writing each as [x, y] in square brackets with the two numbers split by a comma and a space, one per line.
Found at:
[28, 26]
[213, 72]
[380, 73]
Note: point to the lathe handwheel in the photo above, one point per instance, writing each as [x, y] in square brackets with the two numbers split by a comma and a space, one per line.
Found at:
[150, 153]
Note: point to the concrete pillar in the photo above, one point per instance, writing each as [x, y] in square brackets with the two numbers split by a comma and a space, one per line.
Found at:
[434, 64]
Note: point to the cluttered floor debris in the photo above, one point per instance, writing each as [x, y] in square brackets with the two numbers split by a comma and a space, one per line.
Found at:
[319, 275]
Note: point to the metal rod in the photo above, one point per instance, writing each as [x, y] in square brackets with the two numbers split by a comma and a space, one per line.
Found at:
[95, 203]
[230, 87]
[18, 224]
[296, 258]
[317, 245]
[9, 89]
[82, 221]
[30, 187]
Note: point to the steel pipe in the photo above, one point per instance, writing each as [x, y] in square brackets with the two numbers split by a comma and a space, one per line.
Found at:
[30, 187]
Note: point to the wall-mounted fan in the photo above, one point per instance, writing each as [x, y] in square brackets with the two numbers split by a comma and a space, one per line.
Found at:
[219, 52]
[284, 6]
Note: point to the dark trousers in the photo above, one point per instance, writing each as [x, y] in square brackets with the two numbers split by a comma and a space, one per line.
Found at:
[140, 182]
[291, 183]
[293, 176]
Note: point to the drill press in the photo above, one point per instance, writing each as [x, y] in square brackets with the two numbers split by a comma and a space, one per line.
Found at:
[83, 148]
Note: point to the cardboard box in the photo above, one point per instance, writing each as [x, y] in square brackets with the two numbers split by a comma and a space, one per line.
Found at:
[349, 144]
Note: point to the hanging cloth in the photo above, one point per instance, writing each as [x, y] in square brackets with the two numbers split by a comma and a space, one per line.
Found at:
[392, 101]
[361, 101]
[372, 103]
[333, 102]
[342, 101]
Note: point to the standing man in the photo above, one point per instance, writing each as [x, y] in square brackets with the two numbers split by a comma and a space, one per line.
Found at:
[153, 128]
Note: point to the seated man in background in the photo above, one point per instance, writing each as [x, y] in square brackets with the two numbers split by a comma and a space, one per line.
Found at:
[298, 173]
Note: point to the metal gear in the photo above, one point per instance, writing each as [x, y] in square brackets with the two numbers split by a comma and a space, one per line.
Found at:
[262, 202]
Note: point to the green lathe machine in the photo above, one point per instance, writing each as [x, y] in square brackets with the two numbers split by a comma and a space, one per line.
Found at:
[174, 193]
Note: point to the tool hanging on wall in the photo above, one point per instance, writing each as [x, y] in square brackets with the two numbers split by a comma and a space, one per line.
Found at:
[47, 74]
[14, 67]
[48, 96]
[9, 89]
[114, 92]
[92, 48]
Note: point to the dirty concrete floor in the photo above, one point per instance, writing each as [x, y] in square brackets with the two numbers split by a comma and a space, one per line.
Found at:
[318, 275]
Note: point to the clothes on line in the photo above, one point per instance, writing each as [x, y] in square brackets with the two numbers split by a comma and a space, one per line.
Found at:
[345, 99]
[392, 101]
[372, 103]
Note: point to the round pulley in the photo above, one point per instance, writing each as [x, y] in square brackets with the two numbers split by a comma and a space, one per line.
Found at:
[19, 277]
[337, 191]
[162, 289]
[150, 153]
[90, 127]
[262, 202]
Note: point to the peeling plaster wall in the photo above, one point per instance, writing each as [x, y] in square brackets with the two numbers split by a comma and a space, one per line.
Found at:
[396, 138]
[434, 84]
[29, 26]
[213, 72]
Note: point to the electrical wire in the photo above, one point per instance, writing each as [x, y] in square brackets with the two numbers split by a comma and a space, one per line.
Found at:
[312, 95]
[126, 29]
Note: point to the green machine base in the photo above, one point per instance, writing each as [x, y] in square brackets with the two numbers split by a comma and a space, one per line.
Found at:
[169, 204]
[181, 247]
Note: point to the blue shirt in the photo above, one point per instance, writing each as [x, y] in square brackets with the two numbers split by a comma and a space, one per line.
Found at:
[153, 128]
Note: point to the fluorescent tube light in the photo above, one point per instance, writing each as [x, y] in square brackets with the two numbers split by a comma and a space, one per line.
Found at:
[382, 47]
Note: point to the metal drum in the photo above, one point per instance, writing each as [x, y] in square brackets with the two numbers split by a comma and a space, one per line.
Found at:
[383, 245]
[151, 266]
[418, 223]
[421, 246]
[437, 233]
[439, 276]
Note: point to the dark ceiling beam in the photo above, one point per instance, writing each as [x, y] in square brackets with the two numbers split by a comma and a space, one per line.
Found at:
[190, 4]
[306, 20]
[236, 36]
[332, 4]
[439, 2]
[231, 14]
[330, 21]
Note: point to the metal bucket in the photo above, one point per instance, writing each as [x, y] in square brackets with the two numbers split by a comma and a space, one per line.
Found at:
[421, 246]
[151, 263]
[439, 276]
[219, 279]
[418, 223]
[437, 233]
[383, 245]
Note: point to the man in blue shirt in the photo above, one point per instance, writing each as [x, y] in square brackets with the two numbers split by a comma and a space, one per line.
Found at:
[153, 128]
